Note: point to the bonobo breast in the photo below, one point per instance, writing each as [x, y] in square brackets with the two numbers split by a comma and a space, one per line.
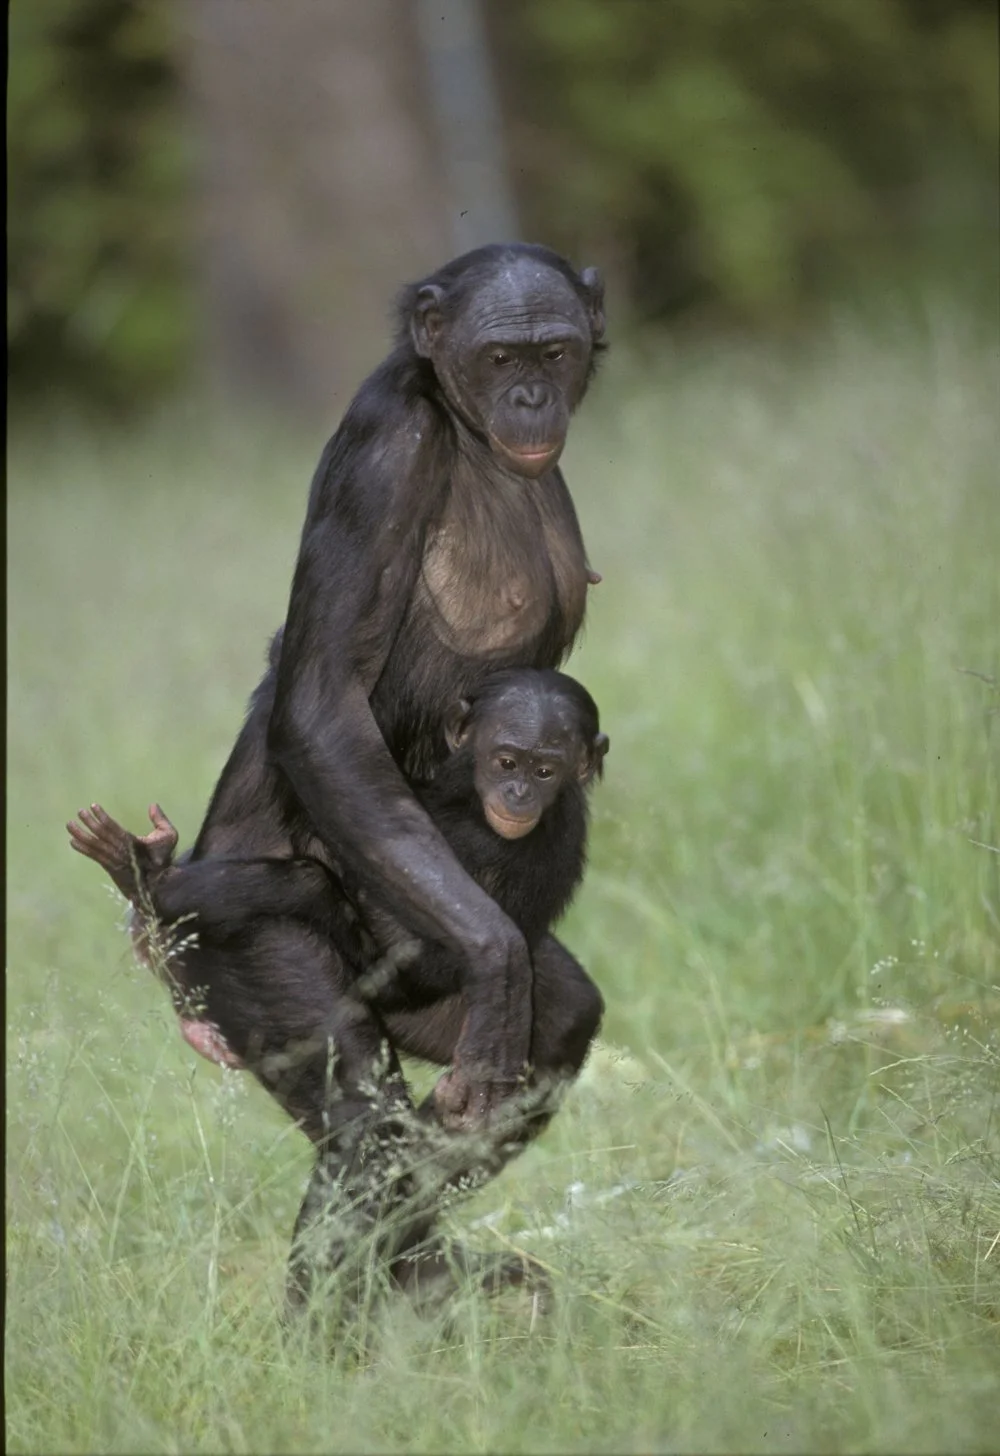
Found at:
[505, 559]
[502, 584]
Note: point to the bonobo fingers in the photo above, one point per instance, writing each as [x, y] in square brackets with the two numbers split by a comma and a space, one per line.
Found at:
[466, 1102]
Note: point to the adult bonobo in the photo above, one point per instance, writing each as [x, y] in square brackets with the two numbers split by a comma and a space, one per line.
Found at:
[440, 545]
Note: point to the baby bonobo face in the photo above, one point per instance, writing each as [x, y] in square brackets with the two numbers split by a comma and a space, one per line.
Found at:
[518, 778]
[526, 747]
[529, 737]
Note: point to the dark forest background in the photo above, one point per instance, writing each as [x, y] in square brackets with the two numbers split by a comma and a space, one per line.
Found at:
[238, 187]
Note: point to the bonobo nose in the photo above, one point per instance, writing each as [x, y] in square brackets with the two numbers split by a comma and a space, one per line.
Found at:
[517, 791]
[529, 396]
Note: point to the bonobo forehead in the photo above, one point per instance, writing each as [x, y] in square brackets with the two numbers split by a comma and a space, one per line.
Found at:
[522, 299]
[532, 722]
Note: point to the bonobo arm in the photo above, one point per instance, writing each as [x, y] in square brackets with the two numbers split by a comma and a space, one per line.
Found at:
[371, 503]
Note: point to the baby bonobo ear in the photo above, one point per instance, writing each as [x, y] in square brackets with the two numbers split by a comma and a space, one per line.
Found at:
[456, 724]
[592, 763]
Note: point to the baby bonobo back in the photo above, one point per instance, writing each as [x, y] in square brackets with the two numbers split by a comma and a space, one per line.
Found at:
[511, 800]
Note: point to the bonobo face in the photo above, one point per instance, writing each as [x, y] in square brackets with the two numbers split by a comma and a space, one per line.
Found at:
[514, 358]
[526, 747]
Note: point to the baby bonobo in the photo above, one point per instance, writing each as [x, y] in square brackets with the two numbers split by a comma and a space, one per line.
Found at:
[510, 799]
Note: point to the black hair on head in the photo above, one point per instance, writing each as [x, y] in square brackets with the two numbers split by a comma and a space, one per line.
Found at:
[459, 277]
[545, 682]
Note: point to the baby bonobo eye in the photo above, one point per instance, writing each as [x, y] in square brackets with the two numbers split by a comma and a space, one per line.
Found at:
[507, 764]
[544, 772]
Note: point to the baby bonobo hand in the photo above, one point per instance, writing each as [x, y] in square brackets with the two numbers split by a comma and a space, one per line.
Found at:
[127, 858]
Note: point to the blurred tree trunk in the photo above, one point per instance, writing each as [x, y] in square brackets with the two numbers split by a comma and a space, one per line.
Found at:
[320, 189]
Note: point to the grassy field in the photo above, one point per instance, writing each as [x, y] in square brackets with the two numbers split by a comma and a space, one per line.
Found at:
[771, 1206]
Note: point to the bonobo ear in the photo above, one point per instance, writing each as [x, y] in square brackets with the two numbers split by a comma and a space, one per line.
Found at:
[425, 323]
[592, 763]
[595, 287]
[456, 724]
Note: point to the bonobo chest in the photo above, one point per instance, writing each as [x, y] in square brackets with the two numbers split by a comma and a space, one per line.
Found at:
[505, 565]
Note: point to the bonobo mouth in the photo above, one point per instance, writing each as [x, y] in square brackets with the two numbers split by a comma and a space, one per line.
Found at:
[532, 461]
[507, 826]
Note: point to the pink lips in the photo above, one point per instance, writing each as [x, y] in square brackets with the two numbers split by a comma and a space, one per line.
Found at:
[534, 461]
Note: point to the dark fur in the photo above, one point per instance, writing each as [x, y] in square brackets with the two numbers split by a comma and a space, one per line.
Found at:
[350, 711]
[532, 879]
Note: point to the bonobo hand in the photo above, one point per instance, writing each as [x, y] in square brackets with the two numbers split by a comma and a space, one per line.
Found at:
[466, 1101]
[491, 1057]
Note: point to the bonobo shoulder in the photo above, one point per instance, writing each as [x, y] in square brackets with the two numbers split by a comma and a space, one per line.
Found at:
[386, 451]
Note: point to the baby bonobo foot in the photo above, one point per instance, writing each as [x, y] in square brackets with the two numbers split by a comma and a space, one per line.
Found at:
[207, 1040]
[127, 858]
[130, 860]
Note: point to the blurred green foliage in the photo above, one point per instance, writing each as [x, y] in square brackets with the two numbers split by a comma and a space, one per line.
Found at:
[98, 296]
[773, 1226]
[734, 155]
[741, 152]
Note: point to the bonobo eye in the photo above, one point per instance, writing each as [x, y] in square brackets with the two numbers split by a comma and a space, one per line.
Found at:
[499, 358]
[507, 764]
[553, 354]
[544, 772]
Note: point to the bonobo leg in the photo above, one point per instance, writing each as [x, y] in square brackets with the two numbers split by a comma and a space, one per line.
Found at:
[272, 994]
[566, 1012]
[213, 899]
[224, 894]
[286, 1005]
[567, 1009]
[289, 1007]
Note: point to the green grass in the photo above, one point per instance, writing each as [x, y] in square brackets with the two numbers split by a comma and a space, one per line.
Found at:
[773, 1221]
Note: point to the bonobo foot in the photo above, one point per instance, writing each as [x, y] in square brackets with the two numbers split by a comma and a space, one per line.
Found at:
[207, 1040]
[431, 1276]
[127, 858]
